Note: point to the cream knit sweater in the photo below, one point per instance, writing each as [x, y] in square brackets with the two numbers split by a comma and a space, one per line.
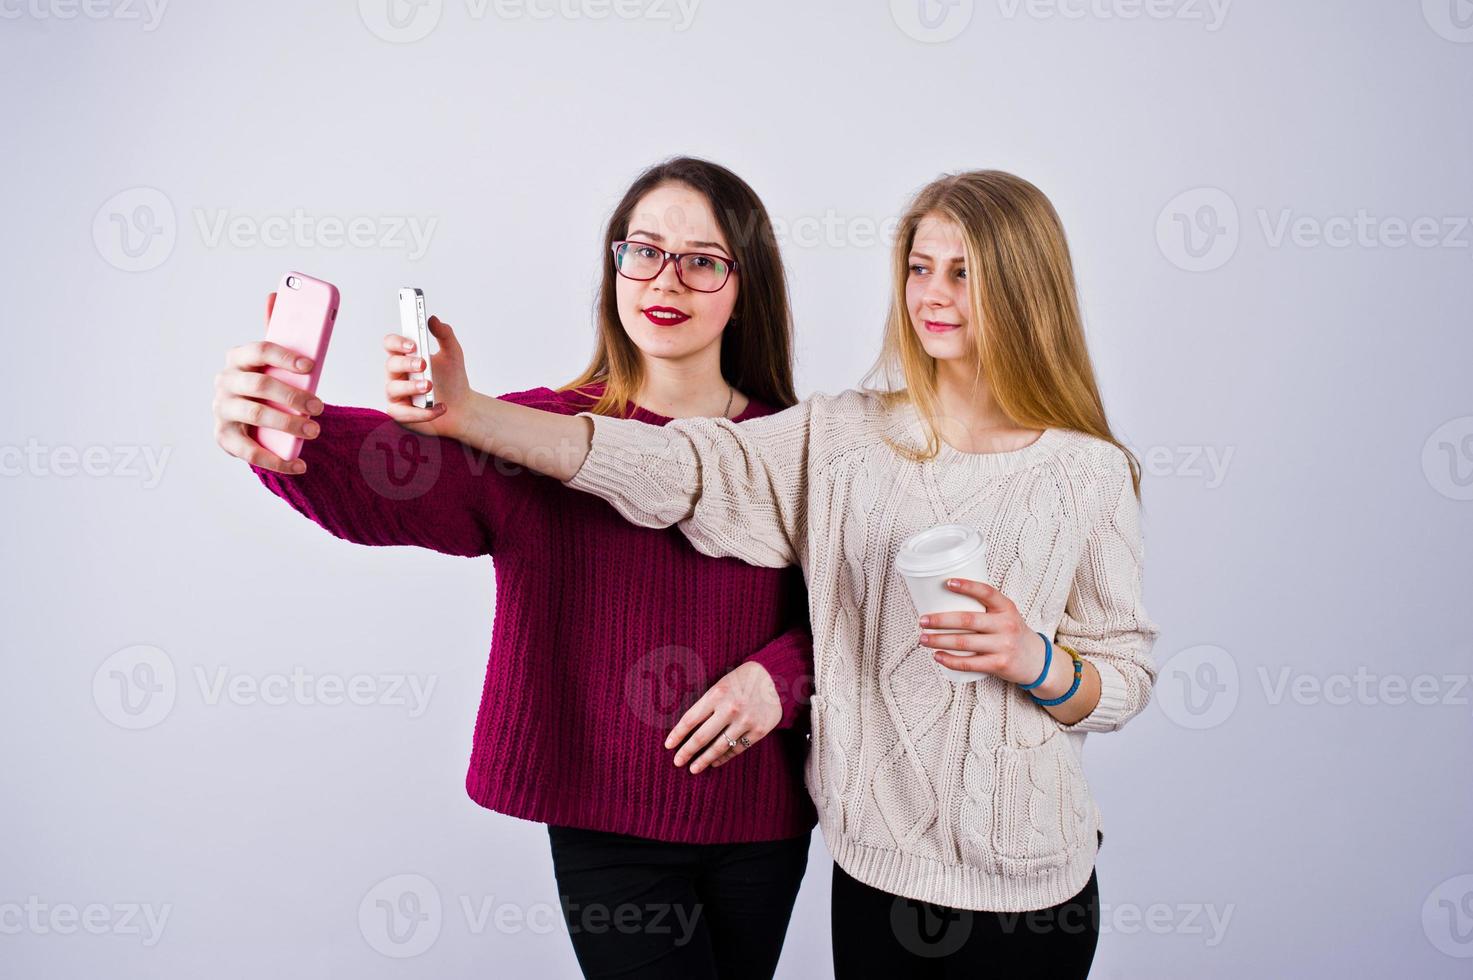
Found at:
[965, 795]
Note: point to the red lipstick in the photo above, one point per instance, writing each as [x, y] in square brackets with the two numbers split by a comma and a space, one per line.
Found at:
[665, 316]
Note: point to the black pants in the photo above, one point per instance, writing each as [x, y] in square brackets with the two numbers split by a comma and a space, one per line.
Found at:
[645, 908]
[879, 934]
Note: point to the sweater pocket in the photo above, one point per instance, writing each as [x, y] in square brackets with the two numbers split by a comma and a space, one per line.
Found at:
[1031, 818]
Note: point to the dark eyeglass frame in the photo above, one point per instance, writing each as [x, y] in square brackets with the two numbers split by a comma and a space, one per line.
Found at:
[667, 258]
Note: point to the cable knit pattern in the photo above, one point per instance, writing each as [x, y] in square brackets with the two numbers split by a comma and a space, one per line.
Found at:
[604, 633]
[971, 795]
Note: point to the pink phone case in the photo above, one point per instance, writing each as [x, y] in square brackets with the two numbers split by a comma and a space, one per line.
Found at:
[301, 320]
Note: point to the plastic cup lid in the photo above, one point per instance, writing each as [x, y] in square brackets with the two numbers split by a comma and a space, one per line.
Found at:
[939, 550]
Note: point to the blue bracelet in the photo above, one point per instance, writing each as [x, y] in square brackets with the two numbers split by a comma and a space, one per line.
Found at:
[1078, 675]
[1048, 659]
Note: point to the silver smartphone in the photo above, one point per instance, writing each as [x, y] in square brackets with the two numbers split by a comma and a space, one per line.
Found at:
[414, 325]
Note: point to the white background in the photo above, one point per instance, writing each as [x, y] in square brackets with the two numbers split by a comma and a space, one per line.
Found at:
[1329, 381]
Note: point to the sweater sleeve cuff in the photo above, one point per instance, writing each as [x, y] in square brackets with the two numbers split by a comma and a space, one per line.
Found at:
[788, 660]
[1110, 713]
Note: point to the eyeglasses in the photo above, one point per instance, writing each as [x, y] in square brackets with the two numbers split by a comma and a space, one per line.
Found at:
[701, 271]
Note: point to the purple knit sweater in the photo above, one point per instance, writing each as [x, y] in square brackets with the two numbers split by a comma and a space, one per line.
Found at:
[604, 632]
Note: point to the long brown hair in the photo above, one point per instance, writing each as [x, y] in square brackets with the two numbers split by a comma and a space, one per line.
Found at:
[1030, 339]
[756, 346]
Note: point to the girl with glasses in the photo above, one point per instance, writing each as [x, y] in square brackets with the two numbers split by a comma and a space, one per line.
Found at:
[963, 831]
[642, 699]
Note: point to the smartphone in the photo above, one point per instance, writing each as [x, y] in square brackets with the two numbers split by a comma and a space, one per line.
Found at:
[301, 321]
[414, 325]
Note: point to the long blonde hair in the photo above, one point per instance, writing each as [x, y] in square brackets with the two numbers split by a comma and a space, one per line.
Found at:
[1030, 339]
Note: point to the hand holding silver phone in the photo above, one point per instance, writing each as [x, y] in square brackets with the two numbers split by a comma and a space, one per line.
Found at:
[414, 325]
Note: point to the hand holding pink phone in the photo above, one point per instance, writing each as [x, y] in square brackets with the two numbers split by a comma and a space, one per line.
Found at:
[301, 321]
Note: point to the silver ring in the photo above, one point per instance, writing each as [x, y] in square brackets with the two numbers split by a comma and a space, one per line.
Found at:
[730, 742]
[746, 742]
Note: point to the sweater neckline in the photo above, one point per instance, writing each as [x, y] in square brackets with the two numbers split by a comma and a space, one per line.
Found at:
[642, 414]
[645, 415]
[1009, 461]
[1049, 442]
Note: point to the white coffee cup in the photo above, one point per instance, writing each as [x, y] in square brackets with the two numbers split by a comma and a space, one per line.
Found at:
[926, 560]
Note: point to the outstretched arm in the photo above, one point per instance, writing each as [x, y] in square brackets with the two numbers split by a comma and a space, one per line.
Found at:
[360, 475]
[734, 489]
[372, 482]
